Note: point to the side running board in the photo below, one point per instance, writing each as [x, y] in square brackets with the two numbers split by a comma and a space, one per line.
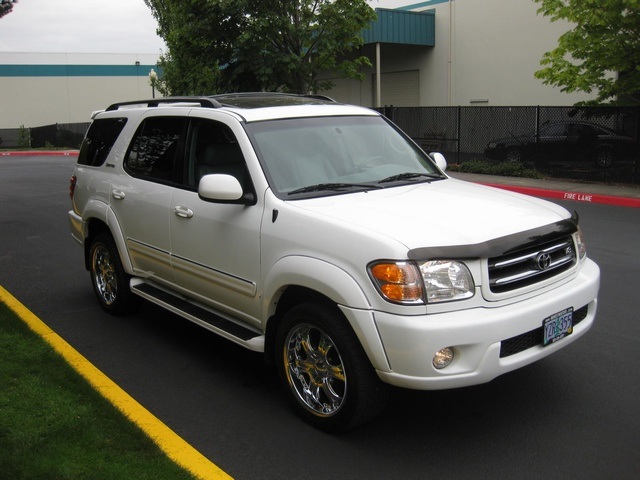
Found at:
[250, 339]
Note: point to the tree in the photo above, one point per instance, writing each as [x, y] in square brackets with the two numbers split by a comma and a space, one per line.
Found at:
[243, 45]
[198, 34]
[600, 54]
[6, 7]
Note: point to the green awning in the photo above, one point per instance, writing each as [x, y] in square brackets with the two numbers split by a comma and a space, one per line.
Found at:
[401, 27]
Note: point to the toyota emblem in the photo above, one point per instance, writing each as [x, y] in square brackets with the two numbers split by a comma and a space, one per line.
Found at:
[543, 261]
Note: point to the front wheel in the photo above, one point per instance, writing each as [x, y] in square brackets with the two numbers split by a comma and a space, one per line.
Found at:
[108, 277]
[604, 157]
[322, 364]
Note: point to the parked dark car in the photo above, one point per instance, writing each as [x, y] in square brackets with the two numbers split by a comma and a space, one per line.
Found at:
[566, 141]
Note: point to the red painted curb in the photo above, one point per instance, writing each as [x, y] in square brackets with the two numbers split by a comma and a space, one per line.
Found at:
[48, 153]
[575, 196]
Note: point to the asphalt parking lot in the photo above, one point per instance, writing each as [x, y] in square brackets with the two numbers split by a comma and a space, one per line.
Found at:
[573, 415]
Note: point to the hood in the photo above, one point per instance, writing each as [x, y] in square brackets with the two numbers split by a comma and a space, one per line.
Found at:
[442, 213]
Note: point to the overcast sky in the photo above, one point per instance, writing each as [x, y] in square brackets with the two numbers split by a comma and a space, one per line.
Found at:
[80, 26]
[90, 26]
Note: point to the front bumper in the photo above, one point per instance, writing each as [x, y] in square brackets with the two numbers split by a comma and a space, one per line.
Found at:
[476, 335]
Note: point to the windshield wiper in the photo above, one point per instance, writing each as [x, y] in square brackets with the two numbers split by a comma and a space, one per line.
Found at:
[333, 186]
[410, 175]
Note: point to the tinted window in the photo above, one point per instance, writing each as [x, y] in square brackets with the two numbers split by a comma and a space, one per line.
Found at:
[155, 148]
[554, 130]
[99, 139]
[214, 149]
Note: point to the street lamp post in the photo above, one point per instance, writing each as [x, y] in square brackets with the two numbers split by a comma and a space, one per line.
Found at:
[153, 77]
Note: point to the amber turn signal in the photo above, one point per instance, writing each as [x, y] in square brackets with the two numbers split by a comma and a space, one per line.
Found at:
[397, 281]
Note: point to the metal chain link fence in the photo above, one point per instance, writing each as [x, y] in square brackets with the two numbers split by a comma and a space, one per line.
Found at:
[59, 135]
[583, 143]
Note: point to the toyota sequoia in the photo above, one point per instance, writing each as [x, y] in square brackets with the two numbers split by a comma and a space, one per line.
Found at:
[321, 235]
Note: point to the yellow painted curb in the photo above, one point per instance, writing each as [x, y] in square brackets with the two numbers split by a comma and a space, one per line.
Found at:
[176, 448]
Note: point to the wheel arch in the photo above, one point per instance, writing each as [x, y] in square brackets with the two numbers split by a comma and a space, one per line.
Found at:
[100, 220]
[296, 280]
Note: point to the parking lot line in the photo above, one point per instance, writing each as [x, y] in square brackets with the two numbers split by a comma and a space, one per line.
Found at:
[175, 447]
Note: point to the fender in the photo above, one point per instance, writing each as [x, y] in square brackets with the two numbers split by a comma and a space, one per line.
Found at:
[333, 283]
[100, 211]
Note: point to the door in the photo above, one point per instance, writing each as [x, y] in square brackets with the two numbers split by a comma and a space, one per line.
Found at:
[215, 247]
[141, 196]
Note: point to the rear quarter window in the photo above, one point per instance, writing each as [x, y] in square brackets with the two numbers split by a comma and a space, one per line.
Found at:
[155, 148]
[99, 140]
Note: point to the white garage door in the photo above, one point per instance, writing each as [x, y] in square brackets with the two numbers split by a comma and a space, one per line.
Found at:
[400, 89]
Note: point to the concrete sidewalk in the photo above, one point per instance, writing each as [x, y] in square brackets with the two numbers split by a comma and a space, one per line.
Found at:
[625, 196]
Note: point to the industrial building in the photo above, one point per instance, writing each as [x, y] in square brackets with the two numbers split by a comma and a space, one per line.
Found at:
[430, 53]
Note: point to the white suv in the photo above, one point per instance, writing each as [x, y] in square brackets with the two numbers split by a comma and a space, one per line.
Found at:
[321, 235]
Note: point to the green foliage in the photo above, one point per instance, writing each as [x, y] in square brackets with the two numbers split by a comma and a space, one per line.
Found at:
[24, 137]
[503, 169]
[6, 7]
[253, 45]
[600, 54]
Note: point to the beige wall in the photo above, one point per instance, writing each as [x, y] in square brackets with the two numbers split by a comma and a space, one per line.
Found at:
[497, 46]
[486, 53]
[34, 101]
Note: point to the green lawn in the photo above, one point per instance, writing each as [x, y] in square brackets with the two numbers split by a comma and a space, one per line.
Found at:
[54, 425]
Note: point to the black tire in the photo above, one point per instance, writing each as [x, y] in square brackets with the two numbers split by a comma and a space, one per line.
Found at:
[323, 366]
[110, 281]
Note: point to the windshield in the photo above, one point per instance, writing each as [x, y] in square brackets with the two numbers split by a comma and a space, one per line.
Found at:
[329, 155]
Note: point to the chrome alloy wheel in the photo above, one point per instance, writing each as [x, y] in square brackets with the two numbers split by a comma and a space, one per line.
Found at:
[104, 272]
[314, 369]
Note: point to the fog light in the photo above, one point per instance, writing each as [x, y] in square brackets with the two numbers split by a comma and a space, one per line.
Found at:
[443, 358]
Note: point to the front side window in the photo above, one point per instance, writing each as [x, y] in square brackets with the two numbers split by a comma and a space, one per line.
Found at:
[326, 155]
[213, 149]
[554, 130]
[155, 148]
[97, 144]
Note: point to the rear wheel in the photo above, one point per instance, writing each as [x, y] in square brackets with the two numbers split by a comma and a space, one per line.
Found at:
[108, 277]
[322, 364]
[514, 155]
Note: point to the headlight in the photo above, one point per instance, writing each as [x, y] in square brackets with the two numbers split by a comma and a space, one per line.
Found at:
[580, 244]
[432, 281]
[446, 280]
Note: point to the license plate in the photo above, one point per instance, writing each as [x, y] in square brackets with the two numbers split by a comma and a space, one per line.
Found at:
[557, 326]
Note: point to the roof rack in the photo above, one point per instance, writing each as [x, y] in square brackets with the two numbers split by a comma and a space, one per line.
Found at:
[214, 101]
[205, 102]
[239, 95]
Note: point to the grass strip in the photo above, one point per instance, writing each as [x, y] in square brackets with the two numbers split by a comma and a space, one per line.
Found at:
[54, 425]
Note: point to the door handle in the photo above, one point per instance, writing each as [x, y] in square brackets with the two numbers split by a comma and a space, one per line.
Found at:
[118, 194]
[183, 212]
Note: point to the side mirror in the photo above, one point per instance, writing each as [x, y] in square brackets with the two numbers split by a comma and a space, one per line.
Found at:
[220, 188]
[441, 162]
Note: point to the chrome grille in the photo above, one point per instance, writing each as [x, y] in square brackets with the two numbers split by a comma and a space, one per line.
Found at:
[531, 264]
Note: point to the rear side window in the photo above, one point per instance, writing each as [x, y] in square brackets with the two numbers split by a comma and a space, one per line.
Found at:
[100, 137]
[155, 148]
